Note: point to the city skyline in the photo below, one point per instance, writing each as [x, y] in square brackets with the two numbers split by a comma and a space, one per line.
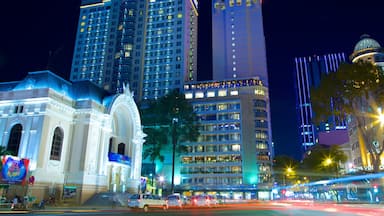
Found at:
[41, 35]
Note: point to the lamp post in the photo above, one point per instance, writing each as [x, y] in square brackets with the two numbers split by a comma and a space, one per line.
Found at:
[174, 143]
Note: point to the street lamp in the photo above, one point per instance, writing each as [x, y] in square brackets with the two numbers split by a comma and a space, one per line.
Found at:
[287, 172]
[175, 121]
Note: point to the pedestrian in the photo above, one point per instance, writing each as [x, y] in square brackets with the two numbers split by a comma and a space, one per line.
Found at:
[15, 201]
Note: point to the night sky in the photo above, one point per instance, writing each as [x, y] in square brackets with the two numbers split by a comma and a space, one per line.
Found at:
[37, 35]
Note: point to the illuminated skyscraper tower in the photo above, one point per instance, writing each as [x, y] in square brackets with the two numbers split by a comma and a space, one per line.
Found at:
[170, 46]
[238, 40]
[149, 44]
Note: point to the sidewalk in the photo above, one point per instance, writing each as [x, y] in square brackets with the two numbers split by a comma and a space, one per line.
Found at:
[64, 209]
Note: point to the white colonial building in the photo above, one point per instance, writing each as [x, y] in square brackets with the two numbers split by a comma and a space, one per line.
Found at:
[78, 139]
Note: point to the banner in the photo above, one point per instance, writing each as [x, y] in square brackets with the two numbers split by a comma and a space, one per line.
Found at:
[14, 170]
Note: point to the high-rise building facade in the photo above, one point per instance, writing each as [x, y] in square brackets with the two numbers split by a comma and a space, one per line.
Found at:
[308, 72]
[234, 151]
[238, 40]
[151, 45]
[170, 47]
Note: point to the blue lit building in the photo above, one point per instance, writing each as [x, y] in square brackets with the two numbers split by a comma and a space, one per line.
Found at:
[238, 43]
[149, 44]
[170, 47]
[308, 72]
[107, 48]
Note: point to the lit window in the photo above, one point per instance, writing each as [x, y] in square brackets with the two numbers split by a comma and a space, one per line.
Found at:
[222, 93]
[82, 23]
[234, 92]
[236, 147]
[199, 95]
[259, 92]
[188, 96]
[211, 94]
[179, 15]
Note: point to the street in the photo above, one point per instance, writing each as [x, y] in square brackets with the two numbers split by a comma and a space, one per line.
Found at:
[244, 209]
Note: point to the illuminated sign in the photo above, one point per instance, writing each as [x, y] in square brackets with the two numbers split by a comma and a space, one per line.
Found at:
[14, 170]
[123, 159]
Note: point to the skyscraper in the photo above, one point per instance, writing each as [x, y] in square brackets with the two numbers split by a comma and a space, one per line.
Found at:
[308, 72]
[170, 47]
[151, 45]
[238, 40]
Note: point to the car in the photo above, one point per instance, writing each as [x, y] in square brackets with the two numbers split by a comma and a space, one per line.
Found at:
[146, 201]
[204, 200]
[175, 200]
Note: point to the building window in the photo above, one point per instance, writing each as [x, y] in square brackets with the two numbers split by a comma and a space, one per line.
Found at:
[57, 144]
[121, 148]
[14, 139]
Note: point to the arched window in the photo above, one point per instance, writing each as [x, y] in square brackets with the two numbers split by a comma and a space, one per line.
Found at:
[121, 149]
[57, 144]
[110, 144]
[14, 139]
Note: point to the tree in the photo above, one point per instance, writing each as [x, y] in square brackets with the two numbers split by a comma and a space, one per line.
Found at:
[168, 121]
[284, 168]
[322, 160]
[354, 91]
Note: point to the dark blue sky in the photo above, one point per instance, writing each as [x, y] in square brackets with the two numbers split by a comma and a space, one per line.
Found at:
[32, 30]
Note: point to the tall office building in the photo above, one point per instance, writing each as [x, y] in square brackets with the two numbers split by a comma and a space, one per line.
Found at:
[308, 72]
[238, 40]
[233, 153]
[151, 45]
[170, 47]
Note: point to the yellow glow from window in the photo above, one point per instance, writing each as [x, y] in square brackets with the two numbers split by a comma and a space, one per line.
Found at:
[179, 15]
[82, 30]
[188, 96]
[222, 93]
[234, 92]
[211, 94]
[199, 95]
[259, 92]
[82, 24]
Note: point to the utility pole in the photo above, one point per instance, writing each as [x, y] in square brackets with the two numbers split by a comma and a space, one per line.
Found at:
[174, 143]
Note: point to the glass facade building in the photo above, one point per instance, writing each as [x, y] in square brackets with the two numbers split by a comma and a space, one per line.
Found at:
[308, 72]
[149, 44]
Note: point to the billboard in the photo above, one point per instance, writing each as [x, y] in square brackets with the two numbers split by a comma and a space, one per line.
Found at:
[14, 170]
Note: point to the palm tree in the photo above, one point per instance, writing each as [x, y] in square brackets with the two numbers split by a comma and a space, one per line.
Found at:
[168, 122]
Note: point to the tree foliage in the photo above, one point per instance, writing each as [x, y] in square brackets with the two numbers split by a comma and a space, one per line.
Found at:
[323, 161]
[354, 91]
[160, 117]
[284, 169]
